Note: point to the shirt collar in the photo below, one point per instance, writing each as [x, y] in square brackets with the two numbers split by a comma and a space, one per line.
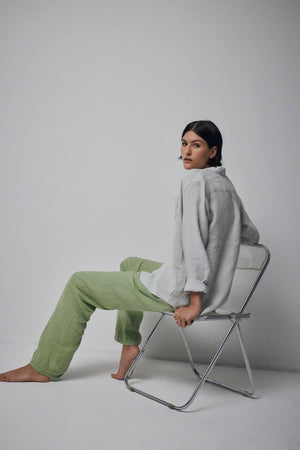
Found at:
[219, 169]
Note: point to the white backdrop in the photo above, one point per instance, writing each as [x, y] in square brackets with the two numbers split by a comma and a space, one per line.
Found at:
[94, 97]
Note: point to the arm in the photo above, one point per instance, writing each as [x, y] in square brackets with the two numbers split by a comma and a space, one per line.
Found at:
[194, 236]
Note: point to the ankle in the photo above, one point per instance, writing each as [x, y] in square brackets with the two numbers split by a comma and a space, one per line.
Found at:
[130, 346]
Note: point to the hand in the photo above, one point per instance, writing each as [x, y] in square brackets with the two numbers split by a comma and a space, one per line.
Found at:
[185, 315]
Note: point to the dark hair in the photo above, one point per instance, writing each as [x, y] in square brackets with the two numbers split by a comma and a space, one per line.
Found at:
[211, 134]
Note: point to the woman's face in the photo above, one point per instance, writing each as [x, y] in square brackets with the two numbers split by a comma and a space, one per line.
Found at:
[196, 150]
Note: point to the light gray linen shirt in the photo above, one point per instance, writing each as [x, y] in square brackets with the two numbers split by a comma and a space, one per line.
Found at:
[210, 224]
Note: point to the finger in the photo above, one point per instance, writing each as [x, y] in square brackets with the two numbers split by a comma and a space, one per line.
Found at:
[179, 322]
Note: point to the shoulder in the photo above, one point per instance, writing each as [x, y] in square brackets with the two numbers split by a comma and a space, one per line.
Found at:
[211, 183]
[216, 180]
[192, 176]
[213, 178]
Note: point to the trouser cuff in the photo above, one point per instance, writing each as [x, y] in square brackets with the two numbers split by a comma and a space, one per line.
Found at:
[44, 372]
[124, 341]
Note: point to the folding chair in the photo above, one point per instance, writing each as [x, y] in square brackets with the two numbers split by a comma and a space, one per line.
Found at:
[252, 257]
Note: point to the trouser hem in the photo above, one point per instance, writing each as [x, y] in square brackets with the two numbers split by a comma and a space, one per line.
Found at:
[126, 341]
[45, 372]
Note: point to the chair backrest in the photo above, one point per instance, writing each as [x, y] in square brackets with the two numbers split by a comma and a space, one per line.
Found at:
[254, 256]
[252, 262]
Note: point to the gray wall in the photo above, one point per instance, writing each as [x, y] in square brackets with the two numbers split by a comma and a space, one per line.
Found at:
[95, 96]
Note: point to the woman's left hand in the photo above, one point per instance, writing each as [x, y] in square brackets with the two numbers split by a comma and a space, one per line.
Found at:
[185, 315]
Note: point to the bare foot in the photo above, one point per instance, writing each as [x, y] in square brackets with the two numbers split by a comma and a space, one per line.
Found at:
[128, 354]
[25, 373]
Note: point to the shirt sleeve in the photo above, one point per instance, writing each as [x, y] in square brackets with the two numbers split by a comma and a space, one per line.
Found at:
[194, 224]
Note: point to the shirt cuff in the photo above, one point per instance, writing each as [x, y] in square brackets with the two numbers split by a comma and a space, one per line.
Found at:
[195, 285]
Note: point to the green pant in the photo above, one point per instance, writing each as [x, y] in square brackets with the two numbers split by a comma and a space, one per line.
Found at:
[83, 293]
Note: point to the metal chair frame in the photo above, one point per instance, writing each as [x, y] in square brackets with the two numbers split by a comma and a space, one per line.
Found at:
[235, 318]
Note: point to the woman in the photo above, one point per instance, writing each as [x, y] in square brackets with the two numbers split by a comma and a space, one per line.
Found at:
[210, 224]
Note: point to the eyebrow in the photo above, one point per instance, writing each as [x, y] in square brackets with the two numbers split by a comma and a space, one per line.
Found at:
[195, 140]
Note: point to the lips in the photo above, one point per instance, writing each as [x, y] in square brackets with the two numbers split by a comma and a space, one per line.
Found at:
[187, 159]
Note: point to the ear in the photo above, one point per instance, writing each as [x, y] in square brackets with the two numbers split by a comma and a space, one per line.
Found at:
[213, 151]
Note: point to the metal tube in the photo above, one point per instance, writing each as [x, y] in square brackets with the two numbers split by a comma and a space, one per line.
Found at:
[139, 355]
[245, 358]
[212, 363]
[188, 352]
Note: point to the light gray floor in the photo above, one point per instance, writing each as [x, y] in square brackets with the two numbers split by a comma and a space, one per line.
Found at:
[87, 409]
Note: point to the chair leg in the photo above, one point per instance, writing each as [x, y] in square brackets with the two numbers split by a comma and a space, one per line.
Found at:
[246, 361]
[141, 352]
[203, 378]
[188, 352]
[217, 383]
[136, 359]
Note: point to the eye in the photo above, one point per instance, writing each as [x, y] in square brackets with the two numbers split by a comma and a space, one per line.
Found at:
[183, 143]
[197, 145]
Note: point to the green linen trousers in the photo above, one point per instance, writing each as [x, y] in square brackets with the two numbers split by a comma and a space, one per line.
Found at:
[83, 293]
